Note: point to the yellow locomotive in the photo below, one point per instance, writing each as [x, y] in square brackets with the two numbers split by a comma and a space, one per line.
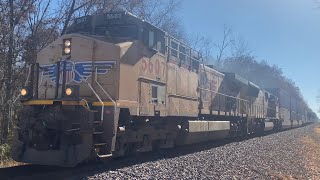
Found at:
[115, 85]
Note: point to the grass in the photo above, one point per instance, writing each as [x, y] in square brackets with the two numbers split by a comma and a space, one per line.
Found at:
[311, 155]
[276, 176]
[5, 157]
[5, 152]
[312, 152]
[317, 130]
[313, 142]
[9, 163]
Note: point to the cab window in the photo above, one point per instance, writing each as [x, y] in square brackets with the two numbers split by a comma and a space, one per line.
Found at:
[157, 94]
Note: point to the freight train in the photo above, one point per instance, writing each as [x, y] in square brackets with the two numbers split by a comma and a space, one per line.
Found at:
[114, 85]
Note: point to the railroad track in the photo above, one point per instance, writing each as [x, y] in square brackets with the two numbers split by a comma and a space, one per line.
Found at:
[53, 172]
[29, 171]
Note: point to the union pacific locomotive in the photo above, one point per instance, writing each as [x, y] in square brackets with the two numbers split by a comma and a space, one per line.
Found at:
[116, 85]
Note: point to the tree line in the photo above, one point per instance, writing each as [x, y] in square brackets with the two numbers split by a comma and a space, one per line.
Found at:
[232, 54]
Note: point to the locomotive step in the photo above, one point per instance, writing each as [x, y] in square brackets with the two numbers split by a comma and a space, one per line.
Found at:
[73, 130]
[98, 132]
[100, 144]
[75, 124]
[104, 156]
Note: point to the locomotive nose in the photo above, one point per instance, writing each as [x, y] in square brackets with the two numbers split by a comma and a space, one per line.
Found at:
[42, 128]
[50, 133]
[74, 59]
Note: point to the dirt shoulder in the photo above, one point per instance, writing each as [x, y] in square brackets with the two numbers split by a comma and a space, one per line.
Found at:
[311, 152]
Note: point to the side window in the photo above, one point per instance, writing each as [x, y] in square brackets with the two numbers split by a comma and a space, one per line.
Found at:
[195, 65]
[157, 94]
[159, 46]
[182, 55]
[154, 94]
[151, 39]
[154, 39]
[266, 96]
[174, 49]
[195, 60]
[188, 55]
[160, 42]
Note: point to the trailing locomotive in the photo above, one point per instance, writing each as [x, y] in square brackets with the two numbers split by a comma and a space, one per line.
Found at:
[115, 85]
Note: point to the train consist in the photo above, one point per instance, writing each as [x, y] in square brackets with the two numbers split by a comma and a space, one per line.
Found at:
[116, 85]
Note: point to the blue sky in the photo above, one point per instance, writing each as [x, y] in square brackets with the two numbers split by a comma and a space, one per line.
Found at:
[282, 32]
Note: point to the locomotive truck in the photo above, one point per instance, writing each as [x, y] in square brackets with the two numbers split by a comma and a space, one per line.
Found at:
[114, 85]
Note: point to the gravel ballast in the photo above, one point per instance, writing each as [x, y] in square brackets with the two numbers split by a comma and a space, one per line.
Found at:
[275, 156]
[292, 154]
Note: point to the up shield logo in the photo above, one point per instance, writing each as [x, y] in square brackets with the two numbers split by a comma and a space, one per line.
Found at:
[76, 71]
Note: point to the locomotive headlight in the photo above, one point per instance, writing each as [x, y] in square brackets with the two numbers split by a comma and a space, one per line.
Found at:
[67, 43]
[23, 92]
[68, 91]
[67, 50]
[71, 92]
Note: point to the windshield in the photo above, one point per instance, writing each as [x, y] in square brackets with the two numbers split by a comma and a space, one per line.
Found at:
[118, 31]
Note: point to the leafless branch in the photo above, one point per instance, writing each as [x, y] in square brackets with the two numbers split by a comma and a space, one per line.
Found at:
[226, 42]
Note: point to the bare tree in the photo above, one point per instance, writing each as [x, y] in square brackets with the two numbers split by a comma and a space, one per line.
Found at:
[23, 23]
[8, 73]
[42, 25]
[224, 44]
[13, 13]
[207, 47]
[204, 45]
[318, 99]
[240, 48]
[158, 13]
[71, 9]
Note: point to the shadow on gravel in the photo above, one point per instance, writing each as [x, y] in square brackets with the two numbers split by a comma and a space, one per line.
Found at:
[84, 170]
[136, 159]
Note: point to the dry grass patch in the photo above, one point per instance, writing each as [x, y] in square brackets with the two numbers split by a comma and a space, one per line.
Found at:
[5, 157]
[277, 176]
[317, 130]
[10, 163]
[313, 142]
[311, 153]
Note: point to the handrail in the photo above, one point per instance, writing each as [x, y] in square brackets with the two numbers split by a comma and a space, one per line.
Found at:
[249, 108]
[24, 85]
[187, 56]
[14, 101]
[87, 107]
[223, 94]
[41, 78]
[96, 80]
[102, 105]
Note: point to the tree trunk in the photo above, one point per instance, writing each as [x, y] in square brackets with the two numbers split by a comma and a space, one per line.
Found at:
[8, 75]
[68, 18]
